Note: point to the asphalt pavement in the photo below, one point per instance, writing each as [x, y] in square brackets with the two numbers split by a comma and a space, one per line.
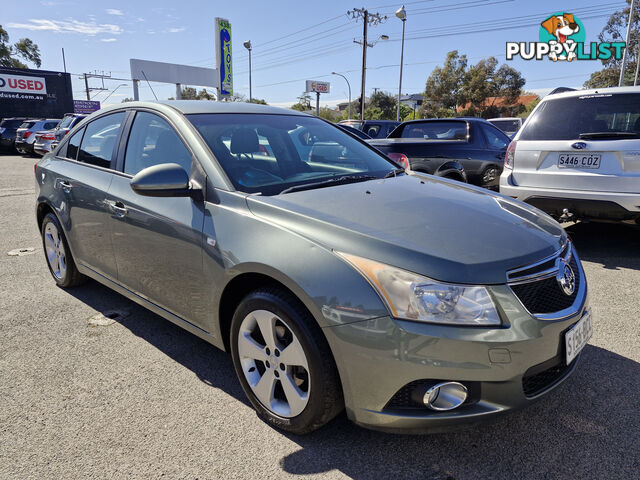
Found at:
[137, 397]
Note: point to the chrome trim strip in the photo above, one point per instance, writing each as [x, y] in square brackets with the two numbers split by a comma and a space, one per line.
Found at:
[512, 277]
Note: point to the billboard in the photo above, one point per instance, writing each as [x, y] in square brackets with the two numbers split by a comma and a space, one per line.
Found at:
[85, 106]
[224, 57]
[34, 93]
[318, 87]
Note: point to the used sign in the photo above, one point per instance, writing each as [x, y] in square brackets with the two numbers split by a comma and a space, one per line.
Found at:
[21, 84]
[318, 87]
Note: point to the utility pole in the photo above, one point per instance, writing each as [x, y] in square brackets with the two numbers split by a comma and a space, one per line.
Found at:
[86, 86]
[367, 19]
[624, 54]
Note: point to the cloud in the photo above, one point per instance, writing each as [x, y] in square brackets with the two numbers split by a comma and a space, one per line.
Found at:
[177, 30]
[113, 11]
[68, 26]
[108, 40]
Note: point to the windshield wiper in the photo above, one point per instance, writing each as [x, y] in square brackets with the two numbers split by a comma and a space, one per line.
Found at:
[609, 135]
[330, 182]
[395, 172]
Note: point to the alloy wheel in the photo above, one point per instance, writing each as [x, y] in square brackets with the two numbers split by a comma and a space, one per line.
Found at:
[274, 363]
[54, 248]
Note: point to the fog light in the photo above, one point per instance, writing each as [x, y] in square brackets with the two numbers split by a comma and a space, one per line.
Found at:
[445, 396]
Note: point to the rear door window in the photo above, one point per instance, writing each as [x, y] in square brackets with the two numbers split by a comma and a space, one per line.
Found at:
[100, 139]
[449, 130]
[495, 138]
[153, 141]
[586, 116]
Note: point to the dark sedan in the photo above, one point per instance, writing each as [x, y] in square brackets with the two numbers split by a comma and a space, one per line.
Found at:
[465, 149]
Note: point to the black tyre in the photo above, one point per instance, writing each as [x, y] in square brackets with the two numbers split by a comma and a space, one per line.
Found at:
[284, 363]
[56, 250]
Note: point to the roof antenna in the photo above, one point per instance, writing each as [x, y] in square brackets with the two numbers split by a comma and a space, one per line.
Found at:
[145, 77]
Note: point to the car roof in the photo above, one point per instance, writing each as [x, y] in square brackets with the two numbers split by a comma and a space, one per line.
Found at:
[447, 119]
[188, 107]
[503, 118]
[593, 91]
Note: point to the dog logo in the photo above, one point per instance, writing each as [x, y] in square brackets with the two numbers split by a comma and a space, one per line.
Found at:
[562, 27]
[562, 38]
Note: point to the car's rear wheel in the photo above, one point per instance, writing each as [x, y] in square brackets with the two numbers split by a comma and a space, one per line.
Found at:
[284, 363]
[56, 250]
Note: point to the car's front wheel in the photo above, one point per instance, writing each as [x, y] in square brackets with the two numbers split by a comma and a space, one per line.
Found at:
[284, 363]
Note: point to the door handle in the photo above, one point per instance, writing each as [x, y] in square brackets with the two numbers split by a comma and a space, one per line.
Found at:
[66, 186]
[118, 208]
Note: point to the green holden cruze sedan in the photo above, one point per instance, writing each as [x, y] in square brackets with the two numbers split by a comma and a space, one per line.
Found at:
[335, 279]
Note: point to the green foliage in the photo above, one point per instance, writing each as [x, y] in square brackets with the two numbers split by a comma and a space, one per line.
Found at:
[444, 88]
[385, 103]
[24, 48]
[190, 93]
[456, 84]
[529, 108]
[374, 113]
[615, 30]
[259, 101]
[329, 114]
[127, 99]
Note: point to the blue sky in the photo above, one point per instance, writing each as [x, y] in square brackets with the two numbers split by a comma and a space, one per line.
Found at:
[294, 40]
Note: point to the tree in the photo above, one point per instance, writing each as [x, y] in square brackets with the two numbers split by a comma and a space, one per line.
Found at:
[303, 104]
[24, 48]
[190, 93]
[386, 103]
[444, 87]
[484, 84]
[259, 101]
[329, 114]
[127, 99]
[615, 30]
[477, 88]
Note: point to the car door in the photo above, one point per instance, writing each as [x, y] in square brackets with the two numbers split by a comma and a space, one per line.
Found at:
[83, 182]
[493, 155]
[158, 240]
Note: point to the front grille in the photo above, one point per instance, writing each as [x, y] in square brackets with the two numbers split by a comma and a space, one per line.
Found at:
[546, 296]
[538, 290]
[536, 383]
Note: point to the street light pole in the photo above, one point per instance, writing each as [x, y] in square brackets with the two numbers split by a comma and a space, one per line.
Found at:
[348, 86]
[247, 45]
[402, 15]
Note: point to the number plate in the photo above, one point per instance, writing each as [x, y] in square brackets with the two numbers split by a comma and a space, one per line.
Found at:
[579, 160]
[576, 338]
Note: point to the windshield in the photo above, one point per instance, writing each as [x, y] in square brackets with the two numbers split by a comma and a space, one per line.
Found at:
[272, 153]
[570, 117]
[66, 121]
[508, 126]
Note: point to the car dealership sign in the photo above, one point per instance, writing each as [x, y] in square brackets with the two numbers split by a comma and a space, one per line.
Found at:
[318, 87]
[21, 84]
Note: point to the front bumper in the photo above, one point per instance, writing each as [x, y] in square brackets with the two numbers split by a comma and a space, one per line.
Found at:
[378, 358]
[581, 203]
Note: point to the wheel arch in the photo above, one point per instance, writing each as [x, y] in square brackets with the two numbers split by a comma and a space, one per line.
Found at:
[451, 169]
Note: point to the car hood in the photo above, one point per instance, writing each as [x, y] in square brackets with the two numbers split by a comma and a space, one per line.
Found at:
[439, 228]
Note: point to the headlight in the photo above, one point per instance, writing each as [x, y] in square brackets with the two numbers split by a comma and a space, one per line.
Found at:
[414, 297]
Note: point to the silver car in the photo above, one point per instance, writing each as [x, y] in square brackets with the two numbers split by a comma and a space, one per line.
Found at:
[336, 281]
[26, 133]
[578, 156]
[46, 141]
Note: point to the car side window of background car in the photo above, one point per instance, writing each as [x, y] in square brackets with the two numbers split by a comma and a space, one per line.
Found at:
[153, 141]
[100, 139]
[494, 139]
[72, 146]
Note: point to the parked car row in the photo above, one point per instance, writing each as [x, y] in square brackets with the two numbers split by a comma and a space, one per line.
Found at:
[35, 136]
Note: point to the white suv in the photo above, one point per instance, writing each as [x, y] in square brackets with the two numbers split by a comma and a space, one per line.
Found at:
[578, 156]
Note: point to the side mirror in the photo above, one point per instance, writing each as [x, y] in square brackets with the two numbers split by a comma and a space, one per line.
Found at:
[164, 180]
